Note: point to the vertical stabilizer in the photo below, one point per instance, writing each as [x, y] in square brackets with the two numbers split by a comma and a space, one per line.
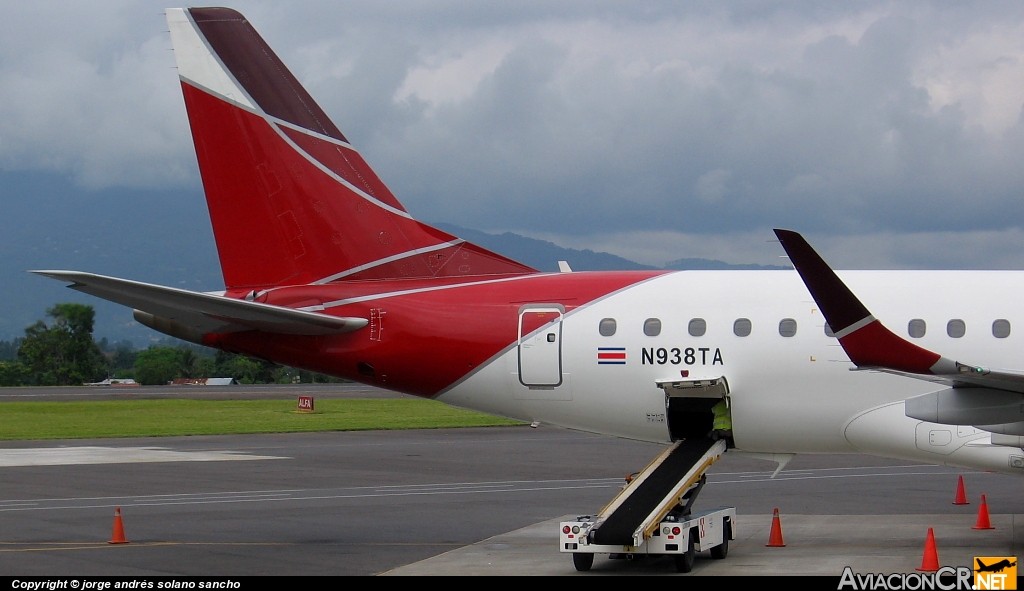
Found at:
[291, 201]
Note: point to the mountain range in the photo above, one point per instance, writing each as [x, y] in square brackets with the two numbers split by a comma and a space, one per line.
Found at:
[544, 256]
[165, 237]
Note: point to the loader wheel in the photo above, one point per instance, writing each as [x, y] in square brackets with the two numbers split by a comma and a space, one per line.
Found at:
[582, 561]
[684, 562]
[722, 551]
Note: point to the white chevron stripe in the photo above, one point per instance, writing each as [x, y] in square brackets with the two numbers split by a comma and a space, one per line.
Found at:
[385, 260]
[855, 326]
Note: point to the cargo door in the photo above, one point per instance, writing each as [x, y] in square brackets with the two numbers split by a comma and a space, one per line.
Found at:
[689, 403]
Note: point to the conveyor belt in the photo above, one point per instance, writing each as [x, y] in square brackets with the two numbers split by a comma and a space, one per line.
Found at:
[653, 489]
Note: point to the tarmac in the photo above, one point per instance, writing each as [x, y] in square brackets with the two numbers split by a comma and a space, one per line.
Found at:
[815, 545]
[450, 501]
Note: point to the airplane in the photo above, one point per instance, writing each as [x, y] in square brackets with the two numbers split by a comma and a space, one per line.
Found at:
[995, 567]
[325, 270]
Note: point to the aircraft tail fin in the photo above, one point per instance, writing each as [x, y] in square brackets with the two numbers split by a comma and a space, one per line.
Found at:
[291, 201]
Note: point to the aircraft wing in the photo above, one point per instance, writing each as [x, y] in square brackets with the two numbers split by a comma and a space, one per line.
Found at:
[203, 312]
[869, 344]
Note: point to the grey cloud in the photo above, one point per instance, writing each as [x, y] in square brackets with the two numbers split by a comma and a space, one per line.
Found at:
[981, 249]
[89, 91]
[711, 185]
[661, 118]
[846, 115]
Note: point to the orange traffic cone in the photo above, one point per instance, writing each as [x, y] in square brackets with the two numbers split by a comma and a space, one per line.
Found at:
[961, 496]
[775, 536]
[930, 561]
[118, 537]
[983, 520]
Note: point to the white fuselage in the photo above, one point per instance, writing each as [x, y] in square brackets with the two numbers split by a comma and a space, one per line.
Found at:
[788, 394]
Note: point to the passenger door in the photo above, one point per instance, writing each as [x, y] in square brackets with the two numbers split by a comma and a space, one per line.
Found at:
[540, 346]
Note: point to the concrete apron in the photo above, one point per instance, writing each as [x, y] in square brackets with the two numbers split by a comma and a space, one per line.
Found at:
[815, 545]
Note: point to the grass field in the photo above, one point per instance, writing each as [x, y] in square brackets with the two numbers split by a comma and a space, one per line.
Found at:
[144, 418]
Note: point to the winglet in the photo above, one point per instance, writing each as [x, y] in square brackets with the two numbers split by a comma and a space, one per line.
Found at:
[868, 343]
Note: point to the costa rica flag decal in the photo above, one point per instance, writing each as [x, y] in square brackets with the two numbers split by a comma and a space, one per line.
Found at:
[611, 356]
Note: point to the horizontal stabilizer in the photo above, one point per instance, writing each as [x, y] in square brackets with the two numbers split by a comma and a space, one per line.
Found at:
[202, 312]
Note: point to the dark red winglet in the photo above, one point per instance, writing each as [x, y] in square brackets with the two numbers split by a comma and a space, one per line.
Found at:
[865, 339]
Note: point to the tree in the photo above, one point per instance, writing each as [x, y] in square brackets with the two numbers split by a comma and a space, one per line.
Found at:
[247, 370]
[9, 350]
[123, 357]
[188, 363]
[12, 373]
[157, 365]
[63, 353]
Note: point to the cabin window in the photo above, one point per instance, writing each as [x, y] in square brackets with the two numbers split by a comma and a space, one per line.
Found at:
[916, 328]
[741, 327]
[606, 327]
[787, 327]
[697, 327]
[1001, 328]
[829, 332]
[956, 328]
[652, 327]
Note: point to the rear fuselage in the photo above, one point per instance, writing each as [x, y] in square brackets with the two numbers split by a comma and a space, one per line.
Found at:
[460, 342]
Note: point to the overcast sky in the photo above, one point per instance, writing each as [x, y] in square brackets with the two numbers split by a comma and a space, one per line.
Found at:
[891, 133]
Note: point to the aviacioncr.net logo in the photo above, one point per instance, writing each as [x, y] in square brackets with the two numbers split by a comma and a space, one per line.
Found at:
[995, 572]
[946, 578]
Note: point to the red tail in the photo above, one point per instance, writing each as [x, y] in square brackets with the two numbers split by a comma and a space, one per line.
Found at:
[291, 200]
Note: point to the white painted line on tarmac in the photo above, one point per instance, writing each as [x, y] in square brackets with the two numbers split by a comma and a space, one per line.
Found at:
[795, 470]
[305, 495]
[74, 456]
[780, 477]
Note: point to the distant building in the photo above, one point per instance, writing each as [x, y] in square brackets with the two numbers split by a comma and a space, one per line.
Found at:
[115, 382]
[221, 382]
[204, 382]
